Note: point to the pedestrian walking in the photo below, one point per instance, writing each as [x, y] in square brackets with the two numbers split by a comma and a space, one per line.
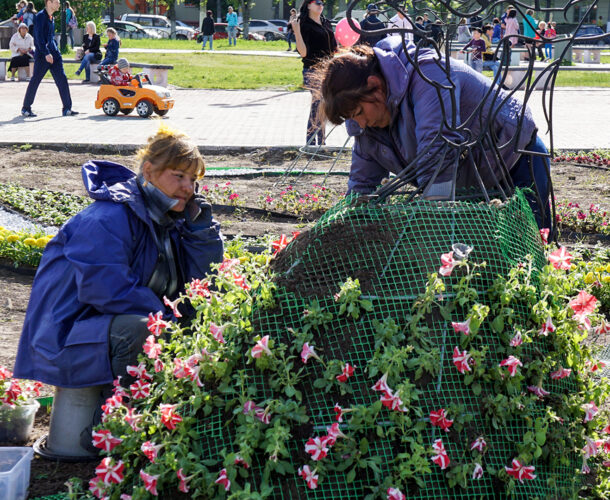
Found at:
[47, 57]
[290, 32]
[551, 32]
[71, 23]
[231, 26]
[207, 30]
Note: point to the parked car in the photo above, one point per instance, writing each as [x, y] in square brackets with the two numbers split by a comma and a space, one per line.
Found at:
[160, 23]
[126, 29]
[220, 32]
[266, 28]
[589, 31]
[282, 25]
[359, 15]
[184, 25]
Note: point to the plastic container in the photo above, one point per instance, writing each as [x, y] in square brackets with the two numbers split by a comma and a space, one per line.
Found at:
[16, 423]
[15, 472]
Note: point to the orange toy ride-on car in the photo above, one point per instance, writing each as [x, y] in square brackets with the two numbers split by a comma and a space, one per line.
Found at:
[140, 95]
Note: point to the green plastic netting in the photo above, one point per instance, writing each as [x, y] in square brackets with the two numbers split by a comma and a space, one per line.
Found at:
[391, 248]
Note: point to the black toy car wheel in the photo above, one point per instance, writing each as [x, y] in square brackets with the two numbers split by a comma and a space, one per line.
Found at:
[161, 112]
[144, 109]
[126, 111]
[110, 106]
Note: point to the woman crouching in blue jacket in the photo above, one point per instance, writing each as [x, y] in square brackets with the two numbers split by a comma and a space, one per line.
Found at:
[462, 132]
[112, 264]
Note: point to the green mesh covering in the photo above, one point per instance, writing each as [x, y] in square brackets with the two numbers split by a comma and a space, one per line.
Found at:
[391, 248]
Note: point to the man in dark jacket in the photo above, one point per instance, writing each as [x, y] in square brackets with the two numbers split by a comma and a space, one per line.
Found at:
[207, 29]
[47, 57]
[371, 23]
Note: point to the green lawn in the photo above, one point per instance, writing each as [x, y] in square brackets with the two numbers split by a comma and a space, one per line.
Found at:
[278, 45]
[226, 71]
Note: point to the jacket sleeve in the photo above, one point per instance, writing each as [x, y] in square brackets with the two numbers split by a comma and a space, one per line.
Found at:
[201, 241]
[428, 114]
[365, 173]
[41, 30]
[101, 247]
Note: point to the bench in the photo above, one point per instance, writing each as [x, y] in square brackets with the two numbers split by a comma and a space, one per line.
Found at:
[157, 73]
[590, 54]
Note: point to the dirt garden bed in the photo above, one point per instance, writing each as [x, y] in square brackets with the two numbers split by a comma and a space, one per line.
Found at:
[60, 171]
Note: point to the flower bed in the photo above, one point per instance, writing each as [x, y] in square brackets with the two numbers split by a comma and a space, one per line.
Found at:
[599, 158]
[593, 219]
[471, 390]
[22, 248]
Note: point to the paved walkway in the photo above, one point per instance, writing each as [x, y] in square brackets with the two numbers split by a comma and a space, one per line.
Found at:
[249, 118]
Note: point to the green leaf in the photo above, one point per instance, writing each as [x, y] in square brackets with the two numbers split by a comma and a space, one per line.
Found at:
[364, 445]
[351, 475]
[476, 388]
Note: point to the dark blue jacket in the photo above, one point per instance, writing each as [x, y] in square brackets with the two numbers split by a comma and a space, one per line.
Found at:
[416, 118]
[112, 51]
[97, 267]
[44, 28]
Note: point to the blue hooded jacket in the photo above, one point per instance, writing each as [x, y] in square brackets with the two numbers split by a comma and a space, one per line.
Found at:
[98, 266]
[416, 118]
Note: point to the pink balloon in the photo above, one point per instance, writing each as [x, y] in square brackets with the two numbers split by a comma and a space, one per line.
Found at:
[344, 33]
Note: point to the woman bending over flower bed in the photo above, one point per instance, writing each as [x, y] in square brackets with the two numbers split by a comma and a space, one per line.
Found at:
[110, 265]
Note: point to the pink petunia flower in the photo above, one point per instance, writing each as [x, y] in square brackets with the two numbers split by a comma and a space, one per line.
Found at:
[463, 327]
[585, 469]
[440, 457]
[150, 450]
[169, 417]
[583, 305]
[310, 476]
[602, 328]
[158, 365]
[183, 486]
[544, 235]
[520, 471]
[393, 402]
[439, 419]
[156, 324]
[590, 411]
[447, 264]
[338, 413]
[511, 363]
[173, 306]
[150, 482]
[139, 389]
[547, 327]
[478, 444]
[560, 259]
[461, 360]
[279, 245]
[133, 418]
[216, 332]
[240, 281]
[538, 391]
[317, 447]
[334, 433]
[228, 264]
[308, 352]
[477, 473]
[198, 288]
[110, 471]
[151, 348]
[591, 448]
[395, 494]
[561, 373]
[138, 371]
[240, 461]
[382, 384]
[97, 487]
[104, 440]
[348, 371]
[261, 347]
[517, 340]
[223, 480]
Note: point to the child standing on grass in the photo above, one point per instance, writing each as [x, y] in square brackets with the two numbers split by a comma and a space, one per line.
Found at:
[112, 47]
[478, 47]
[119, 74]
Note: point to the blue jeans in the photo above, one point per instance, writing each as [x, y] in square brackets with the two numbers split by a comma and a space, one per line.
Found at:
[493, 65]
[70, 36]
[476, 64]
[232, 32]
[548, 50]
[108, 61]
[86, 64]
[534, 172]
[314, 128]
[207, 38]
[41, 66]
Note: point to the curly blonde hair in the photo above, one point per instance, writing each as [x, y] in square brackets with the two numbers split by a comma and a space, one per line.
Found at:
[170, 148]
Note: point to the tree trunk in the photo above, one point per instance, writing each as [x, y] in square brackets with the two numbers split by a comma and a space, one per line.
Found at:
[245, 9]
[218, 11]
[111, 13]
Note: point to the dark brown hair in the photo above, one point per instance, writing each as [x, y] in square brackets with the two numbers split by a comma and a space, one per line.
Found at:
[342, 82]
